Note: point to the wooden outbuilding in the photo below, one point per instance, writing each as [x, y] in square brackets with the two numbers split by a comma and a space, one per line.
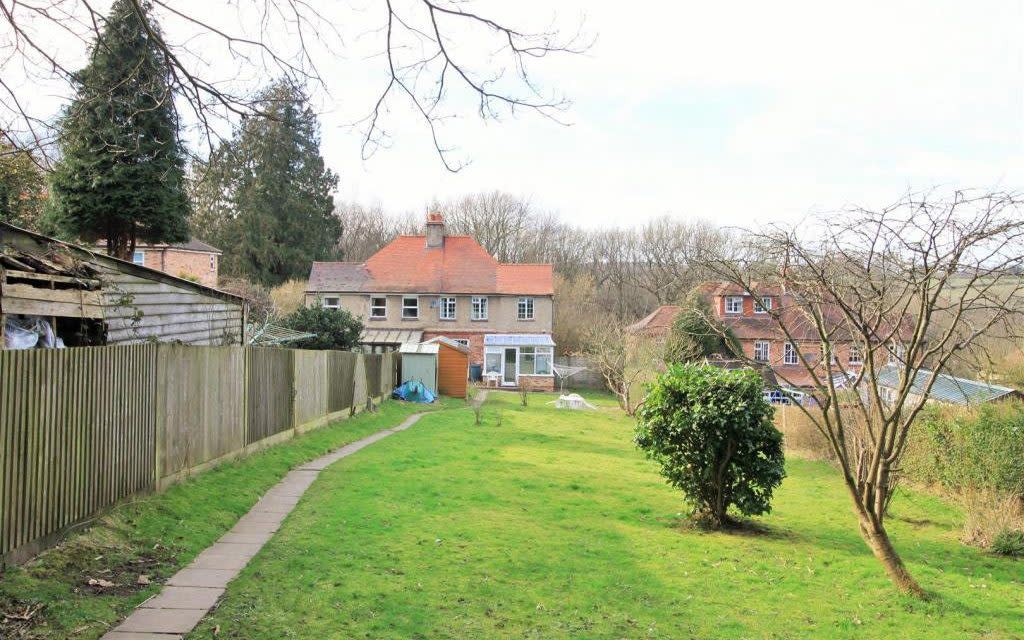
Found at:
[88, 298]
[452, 367]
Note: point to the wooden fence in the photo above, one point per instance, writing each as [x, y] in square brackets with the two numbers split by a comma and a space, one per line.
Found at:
[82, 428]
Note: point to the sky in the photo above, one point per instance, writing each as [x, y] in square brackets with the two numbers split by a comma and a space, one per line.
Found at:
[741, 113]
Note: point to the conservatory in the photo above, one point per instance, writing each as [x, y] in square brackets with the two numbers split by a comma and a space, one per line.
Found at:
[515, 359]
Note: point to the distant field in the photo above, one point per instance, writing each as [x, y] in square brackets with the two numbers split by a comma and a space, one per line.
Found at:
[552, 525]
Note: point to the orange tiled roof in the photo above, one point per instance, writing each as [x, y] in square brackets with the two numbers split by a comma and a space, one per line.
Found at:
[657, 323]
[407, 265]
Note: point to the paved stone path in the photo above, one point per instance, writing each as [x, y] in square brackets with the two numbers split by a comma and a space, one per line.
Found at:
[189, 594]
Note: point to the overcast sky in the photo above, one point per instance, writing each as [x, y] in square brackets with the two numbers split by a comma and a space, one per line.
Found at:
[738, 112]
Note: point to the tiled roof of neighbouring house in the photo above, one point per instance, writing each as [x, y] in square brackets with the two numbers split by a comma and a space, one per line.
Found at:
[657, 323]
[407, 265]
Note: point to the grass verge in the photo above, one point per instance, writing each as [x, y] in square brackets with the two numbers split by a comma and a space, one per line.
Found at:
[153, 536]
[552, 525]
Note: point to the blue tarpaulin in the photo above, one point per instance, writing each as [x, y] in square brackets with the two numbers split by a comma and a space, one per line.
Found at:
[413, 391]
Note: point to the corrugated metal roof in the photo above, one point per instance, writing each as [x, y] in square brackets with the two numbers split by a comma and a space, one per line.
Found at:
[518, 340]
[421, 347]
[389, 336]
[947, 388]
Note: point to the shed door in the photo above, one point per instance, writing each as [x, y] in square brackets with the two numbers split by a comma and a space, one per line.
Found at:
[422, 368]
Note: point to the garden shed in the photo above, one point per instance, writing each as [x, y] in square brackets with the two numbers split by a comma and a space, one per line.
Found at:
[452, 367]
[419, 364]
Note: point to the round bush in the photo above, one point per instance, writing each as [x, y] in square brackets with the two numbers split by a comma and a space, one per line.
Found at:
[711, 430]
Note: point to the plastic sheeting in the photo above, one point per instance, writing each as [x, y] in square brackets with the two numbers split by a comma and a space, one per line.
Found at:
[29, 332]
[413, 391]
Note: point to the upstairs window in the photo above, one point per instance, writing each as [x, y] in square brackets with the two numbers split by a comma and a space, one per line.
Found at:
[479, 310]
[897, 354]
[789, 355]
[332, 302]
[525, 309]
[856, 357]
[448, 308]
[139, 258]
[378, 307]
[410, 307]
[762, 350]
[213, 263]
[734, 304]
[764, 305]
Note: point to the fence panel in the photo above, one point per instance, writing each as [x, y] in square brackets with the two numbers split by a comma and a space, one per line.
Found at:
[270, 381]
[200, 405]
[76, 435]
[311, 385]
[372, 363]
[387, 373]
[341, 370]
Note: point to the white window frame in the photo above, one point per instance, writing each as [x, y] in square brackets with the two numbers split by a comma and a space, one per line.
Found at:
[898, 353]
[729, 300]
[463, 341]
[789, 354]
[374, 307]
[534, 352]
[856, 357]
[766, 347]
[526, 308]
[139, 257]
[764, 305]
[213, 262]
[478, 308]
[327, 304]
[406, 307]
[444, 311]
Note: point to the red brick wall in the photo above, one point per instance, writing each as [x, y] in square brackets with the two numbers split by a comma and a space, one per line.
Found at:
[187, 264]
[537, 383]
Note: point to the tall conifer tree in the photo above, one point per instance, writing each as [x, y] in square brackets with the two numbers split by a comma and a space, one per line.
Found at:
[267, 195]
[121, 174]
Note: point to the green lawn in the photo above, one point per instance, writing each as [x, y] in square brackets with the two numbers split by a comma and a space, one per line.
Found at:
[552, 525]
[155, 536]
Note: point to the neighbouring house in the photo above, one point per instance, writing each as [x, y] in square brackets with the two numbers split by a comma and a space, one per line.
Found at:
[72, 296]
[947, 389]
[192, 260]
[657, 324]
[763, 341]
[420, 287]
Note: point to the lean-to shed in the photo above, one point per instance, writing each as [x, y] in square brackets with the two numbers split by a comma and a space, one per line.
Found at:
[89, 298]
[452, 367]
[419, 363]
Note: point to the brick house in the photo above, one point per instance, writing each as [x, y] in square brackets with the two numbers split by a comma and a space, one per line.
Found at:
[193, 260]
[762, 340]
[426, 286]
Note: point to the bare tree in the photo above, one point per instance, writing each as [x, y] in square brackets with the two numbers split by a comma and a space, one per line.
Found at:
[912, 286]
[365, 230]
[433, 54]
[624, 362]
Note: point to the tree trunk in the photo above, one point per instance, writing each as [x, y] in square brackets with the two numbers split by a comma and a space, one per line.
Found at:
[878, 541]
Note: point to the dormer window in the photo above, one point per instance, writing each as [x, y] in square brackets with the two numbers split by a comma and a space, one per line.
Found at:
[764, 305]
[734, 304]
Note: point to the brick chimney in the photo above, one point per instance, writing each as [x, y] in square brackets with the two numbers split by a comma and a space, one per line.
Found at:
[434, 229]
